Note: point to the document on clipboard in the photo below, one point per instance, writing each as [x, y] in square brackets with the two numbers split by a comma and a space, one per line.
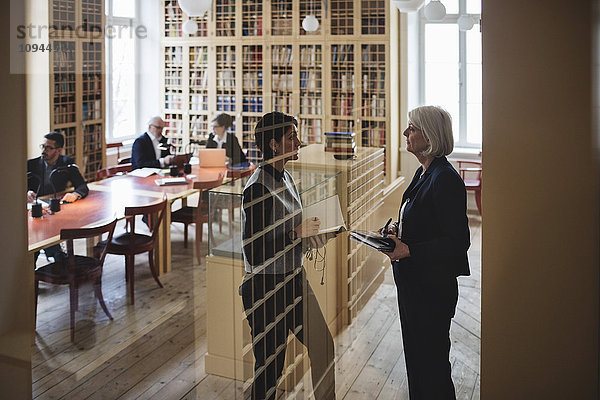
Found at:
[329, 212]
[374, 240]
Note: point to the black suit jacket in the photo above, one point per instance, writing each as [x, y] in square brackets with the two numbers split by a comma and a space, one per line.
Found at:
[36, 166]
[143, 154]
[232, 148]
[434, 224]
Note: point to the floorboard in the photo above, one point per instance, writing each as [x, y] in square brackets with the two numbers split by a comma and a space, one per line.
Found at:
[156, 349]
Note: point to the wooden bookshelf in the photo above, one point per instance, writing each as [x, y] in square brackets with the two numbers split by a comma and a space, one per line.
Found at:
[257, 58]
[76, 82]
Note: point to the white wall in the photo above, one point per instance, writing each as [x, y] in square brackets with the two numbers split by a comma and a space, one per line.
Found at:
[148, 67]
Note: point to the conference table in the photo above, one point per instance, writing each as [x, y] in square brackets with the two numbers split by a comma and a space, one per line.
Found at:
[108, 198]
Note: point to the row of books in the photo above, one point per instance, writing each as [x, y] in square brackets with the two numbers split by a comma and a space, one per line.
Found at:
[373, 107]
[197, 125]
[372, 81]
[253, 80]
[342, 53]
[225, 55]
[226, 79]
[173, 100]
[282, 81]
[225, 103]
[311, 105]
[91, 110]
[282, 56]
[252, 104]
[199, 80]
[311, 130]
[174, 55]
[310, 80]
[198, 57]
[340, 142]
[310, 56]
[252, 55]
[283, 102]
[226, 28]
[342, 81]
[342, 104]
[198, 102]
[252, 26]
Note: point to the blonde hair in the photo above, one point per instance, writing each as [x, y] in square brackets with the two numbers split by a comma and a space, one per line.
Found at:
[436, 125]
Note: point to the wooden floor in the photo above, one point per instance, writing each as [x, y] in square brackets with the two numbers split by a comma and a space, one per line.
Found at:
[156, 349]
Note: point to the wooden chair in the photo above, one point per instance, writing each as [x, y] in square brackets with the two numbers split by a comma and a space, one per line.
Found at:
[131, 243]
[470, 171]
[74, 269]
[196, 215]
[112, 171]
[124, 160]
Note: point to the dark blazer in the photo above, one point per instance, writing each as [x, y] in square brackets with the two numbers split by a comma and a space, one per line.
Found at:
[143, 154]
[232, 148]
[36, 166]
[435, 225]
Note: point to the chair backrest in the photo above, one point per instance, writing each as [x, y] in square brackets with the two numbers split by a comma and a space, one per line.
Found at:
[209, 184]
[159, 208]
[124, 160]
[239, 173]
[470, 170]
[85, 233]
[112, 171]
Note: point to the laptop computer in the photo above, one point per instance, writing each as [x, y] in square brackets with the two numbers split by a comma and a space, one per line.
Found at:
[211, 158]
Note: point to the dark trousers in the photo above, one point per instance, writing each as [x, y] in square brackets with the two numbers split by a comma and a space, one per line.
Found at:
[50, 251]
[291, 307]
[427, 303]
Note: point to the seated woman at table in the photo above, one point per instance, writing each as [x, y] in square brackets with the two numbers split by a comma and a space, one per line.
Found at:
[276, 294]
[220, 138]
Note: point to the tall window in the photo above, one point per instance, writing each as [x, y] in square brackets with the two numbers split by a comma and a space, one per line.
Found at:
[120, 69]
[451, 61]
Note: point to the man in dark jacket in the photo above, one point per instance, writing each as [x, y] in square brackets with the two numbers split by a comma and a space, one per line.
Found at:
[43, 181]
[151, 149]
[42, 167]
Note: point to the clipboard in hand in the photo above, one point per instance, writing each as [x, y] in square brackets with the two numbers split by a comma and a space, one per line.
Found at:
[374, 240]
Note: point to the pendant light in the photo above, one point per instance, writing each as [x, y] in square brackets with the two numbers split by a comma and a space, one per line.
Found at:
[435, 10]
[310, 22]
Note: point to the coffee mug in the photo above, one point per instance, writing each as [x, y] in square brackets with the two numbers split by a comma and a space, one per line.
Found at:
[174, 170]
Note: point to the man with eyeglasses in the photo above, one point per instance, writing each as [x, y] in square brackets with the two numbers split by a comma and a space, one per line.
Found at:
[41, 185]
[151, 148]
[42, 167]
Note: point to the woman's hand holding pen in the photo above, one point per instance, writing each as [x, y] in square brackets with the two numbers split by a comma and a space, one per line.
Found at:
[389, 229]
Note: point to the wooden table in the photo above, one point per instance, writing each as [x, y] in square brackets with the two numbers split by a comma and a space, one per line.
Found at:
[138, 186]
[96, 208]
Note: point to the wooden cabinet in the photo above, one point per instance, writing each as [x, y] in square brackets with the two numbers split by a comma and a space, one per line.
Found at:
[360, 186]
[66, 86]
[77, 80]
[255, 58]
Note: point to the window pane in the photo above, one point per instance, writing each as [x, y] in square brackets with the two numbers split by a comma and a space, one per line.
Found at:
[123, 85]
[473, 6]
[451, 6]
[441, 69]
[124, 8]
[474, 123]
[474, 45]
[474, 85]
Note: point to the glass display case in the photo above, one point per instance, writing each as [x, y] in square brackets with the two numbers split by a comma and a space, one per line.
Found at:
[225, 208]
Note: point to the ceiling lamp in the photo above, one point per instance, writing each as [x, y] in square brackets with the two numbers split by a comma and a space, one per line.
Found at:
[195, 8]
[407, 6]
[310, 23]
[435, 10]
[465, 22]
[190, 27]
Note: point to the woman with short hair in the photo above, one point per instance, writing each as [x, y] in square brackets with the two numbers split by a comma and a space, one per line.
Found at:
[431, 242]
[220, 138]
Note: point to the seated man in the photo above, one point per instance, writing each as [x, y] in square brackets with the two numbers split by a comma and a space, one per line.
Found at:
[42, 167]
[151, 149]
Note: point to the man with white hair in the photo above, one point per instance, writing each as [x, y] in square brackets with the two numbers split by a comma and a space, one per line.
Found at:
[151, 149]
